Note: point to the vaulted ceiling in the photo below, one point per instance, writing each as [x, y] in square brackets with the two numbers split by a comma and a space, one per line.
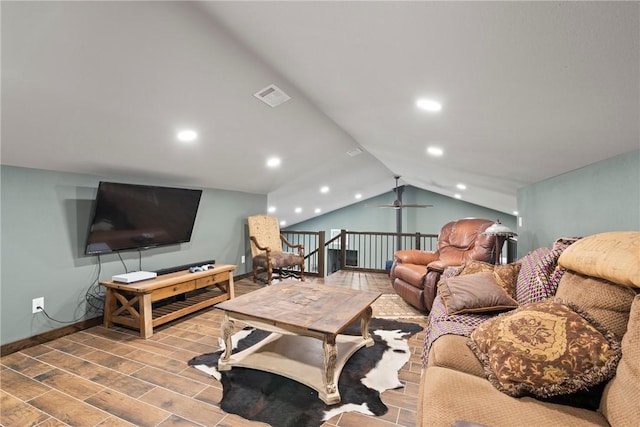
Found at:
[529, 90]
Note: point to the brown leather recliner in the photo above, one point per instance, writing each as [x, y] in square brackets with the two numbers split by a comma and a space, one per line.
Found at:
[415, 274]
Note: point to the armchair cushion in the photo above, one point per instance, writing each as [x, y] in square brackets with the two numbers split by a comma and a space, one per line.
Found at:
[413, 274]
[279, 260]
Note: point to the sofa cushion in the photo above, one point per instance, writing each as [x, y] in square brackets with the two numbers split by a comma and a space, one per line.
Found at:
[547, 348]
[440, 324]
[505, 275]
[475, 293]
[619, 402]
[613, 256]
[606, 302]
[451, 351]
[446, 395]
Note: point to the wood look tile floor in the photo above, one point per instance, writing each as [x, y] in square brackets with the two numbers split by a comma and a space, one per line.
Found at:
[112, 377]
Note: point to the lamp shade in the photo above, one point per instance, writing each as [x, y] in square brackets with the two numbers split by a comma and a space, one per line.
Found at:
[499, 229]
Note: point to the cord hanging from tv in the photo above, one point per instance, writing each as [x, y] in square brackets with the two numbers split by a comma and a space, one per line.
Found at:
[134, 217]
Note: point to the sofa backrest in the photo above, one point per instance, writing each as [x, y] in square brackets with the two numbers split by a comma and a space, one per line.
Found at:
[462, 240]
[619, 403]
[603, 279]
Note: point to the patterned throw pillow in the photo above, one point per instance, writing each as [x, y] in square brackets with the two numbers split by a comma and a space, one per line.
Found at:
[505, 275]
[474, 293]
[546, 348]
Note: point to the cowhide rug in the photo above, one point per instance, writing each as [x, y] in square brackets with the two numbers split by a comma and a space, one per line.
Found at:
[281, 402]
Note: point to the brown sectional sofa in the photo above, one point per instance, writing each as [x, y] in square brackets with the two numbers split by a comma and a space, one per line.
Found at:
[599, 276]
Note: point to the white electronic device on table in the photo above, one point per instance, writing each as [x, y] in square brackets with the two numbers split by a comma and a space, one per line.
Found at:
[135, 276]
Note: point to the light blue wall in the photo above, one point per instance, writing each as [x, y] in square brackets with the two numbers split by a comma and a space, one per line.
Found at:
[604, 196]
[45, 216]
[358, 217]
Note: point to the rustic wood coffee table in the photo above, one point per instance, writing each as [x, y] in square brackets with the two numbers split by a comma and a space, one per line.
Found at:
[305, 321]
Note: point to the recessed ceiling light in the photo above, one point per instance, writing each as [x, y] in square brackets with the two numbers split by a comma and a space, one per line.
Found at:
[515, 213]
[317, 210]
[358, 196]
[271, 209]
[324, 189]
[273, 162]
[298, 210]
[428, 105]
[457, 196]
[435, 151]
[461, 186]
[283, 223]
[187, 135]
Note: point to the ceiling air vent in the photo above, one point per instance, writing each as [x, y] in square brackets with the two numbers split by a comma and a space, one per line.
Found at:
[272, 95]
[354, 152]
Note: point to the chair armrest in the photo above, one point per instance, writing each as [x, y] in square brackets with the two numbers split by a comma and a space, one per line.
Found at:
[412, 256]
[437, 265]
[299, 246]
[262, 248]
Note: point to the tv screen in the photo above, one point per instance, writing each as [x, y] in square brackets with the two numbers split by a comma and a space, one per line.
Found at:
[129, 216]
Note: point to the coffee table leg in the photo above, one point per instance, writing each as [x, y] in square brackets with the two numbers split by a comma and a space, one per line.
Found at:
[330, 394]
[364, 326]
[227, 331]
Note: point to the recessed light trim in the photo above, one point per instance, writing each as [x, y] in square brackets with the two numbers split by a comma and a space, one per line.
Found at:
[461, 186]
[283, 223]
[273, 162]
[435, 151]
[317, 210]
[298, 210]
[429, 105]
[457, 196]
[271, 209]
[324, 189]
[187, 135]
[358, 196]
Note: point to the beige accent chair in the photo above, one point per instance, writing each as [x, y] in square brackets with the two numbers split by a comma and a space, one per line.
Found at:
[267, 253]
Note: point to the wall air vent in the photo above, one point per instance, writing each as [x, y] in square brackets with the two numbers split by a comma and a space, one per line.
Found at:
[272, 95]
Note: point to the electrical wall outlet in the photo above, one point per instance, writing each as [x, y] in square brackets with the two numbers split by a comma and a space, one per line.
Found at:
[35, 303]
[242, 259]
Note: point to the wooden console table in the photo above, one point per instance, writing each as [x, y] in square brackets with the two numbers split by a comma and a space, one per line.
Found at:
[130, 304]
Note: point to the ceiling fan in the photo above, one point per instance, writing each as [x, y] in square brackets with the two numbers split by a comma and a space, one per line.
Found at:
[397, 203]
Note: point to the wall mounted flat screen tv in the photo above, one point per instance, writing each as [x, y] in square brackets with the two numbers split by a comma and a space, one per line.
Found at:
[130, 216]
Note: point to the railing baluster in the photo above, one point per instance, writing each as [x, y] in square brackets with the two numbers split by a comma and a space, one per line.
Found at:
[371, 249]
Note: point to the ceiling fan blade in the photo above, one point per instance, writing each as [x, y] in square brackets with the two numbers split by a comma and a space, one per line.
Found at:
[379, 206]
[416, 206]
[396, 203]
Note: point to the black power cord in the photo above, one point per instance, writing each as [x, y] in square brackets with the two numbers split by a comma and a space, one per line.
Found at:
[94, 298]
[55, 320]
